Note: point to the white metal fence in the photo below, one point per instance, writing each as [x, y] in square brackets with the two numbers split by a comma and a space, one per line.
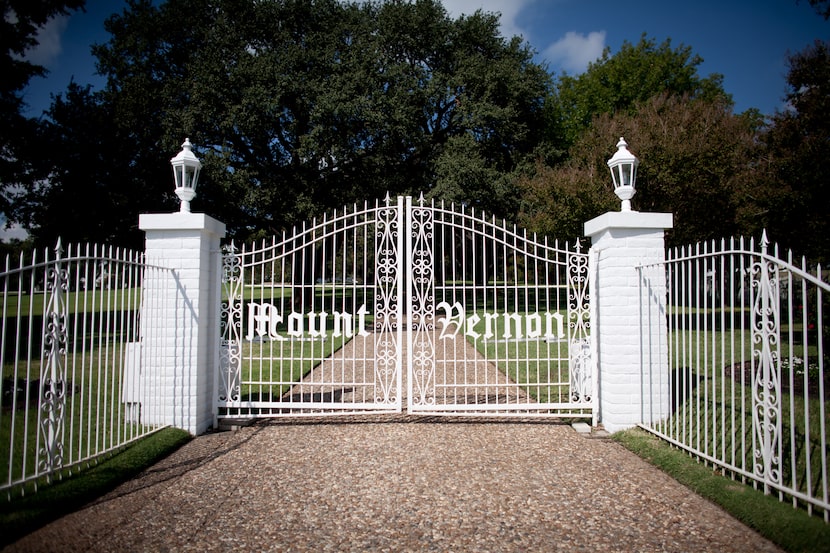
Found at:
[748, 332]
[71, 351]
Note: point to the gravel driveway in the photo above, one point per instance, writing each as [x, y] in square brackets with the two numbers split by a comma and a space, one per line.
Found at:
[399, 484]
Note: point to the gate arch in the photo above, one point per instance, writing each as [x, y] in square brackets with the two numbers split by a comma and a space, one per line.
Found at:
[405, 304]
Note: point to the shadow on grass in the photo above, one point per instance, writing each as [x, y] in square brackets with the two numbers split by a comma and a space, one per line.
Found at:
[24, 515]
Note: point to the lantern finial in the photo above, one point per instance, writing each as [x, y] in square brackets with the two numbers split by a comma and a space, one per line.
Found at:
[623, 165]
[186, 167]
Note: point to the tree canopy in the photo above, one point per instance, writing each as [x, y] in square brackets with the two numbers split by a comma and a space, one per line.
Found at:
[300, 106]
[694, 161]
[20, 21]
[297, 107]
[617, 83]
[19, 25]
[792, 195]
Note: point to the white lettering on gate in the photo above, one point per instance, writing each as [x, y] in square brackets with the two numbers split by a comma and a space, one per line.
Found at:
[453, 321]
[264, 319]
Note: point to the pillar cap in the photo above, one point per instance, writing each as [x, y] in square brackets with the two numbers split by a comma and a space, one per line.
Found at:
[628, 220]
[181, 221]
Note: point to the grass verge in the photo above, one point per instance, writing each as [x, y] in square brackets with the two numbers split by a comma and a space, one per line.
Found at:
[23, 515]
[791, 529]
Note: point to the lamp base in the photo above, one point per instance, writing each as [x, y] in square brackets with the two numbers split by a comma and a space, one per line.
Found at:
[185, 195]
[625, 193]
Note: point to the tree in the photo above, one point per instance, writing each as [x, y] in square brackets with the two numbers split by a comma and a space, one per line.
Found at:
[617, 83]
[296, 106]
[822, 7]
[86, 188]
[19, 25]
[792, 192]
[695, 157]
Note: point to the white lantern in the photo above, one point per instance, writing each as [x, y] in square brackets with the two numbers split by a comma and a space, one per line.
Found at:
[623, 165]
[186, 167]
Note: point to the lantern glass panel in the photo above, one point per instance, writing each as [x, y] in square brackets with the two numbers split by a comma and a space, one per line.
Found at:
[177, 175]
[625, 174]
[194, 176]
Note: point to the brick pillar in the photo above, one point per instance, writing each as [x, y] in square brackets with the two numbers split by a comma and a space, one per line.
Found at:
[180, 318]
[630, 319]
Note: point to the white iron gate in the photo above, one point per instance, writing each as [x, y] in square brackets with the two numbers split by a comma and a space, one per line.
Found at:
[405, 303]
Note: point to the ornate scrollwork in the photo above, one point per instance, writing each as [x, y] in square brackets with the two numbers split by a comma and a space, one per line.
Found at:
[231, 264]
[386, 263]
[578, 299]
[422, 303]
[581, 378]
[423, 371]
[52, 372]
[230, 357]
[387, 323]
[230, 353]
[386, 370]
[766, 392]
[581, 374]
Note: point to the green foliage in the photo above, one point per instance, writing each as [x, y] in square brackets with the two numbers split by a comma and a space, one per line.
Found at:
[20, 21]
[617, 83]
[557, 201]
[695, 157]
[81, 161]
[791, 196]
[681, 125]
[694, 160]
[822, 7]
[297, 107]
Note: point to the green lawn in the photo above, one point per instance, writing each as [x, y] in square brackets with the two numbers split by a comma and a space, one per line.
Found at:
[270, 368]
[540, 367]
[713, 406]
[84, 301]
[94, 417]
[791, 529]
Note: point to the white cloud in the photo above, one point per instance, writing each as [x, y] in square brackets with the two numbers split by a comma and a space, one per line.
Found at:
[49, 42]
[11, 232]
[574, 51]
[509, 12]
[15, 232]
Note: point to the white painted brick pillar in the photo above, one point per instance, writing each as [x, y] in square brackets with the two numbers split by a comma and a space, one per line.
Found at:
[180, 319]
[632, 362]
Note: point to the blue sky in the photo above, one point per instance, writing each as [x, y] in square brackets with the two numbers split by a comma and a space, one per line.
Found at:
[745, 40]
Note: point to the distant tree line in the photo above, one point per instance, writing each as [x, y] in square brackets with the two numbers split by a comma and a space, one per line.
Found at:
[299, 107]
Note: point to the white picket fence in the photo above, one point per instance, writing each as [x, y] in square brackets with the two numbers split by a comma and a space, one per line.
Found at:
[747, 348]
[70, 349]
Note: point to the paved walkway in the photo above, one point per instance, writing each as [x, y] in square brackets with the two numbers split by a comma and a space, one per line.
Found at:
[398, 484]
